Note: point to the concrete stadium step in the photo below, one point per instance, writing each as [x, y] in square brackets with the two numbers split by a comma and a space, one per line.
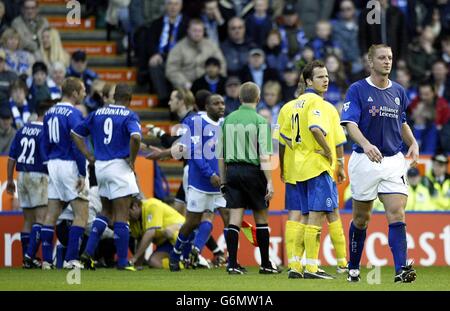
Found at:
[107, 61]
[60, 2]
[94, 35]
[56, 7]
[116, 74]
[159, 119]
[143, 101]
[92, 48]
[60, 22]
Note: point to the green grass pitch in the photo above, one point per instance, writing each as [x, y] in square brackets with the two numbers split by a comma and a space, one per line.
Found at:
[428, 279]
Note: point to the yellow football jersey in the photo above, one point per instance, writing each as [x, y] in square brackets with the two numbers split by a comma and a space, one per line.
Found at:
[288, 167]
[310, 110]
[155, 215]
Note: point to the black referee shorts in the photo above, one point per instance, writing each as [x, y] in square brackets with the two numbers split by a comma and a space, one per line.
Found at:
[246, 187]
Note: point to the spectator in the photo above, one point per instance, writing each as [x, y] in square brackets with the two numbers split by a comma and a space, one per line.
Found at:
[363, 73]
[151, 9]
[232, 102]
[311, 11]
[7, 77]
[424, 129]
[3, 21]
[17, 60]
[153, 45]
[445, 43]
[118, 14]
[290, 82]
[275, 57]
[29, 25]
[444, 138]
[345, 34]
[7, 132]
[186, 61]
[271, 100]
[434, 21]
[236, 47]
[441, 79]
[421, 55]
[78, 69]
[391, 30]
[437, 106]
[323, 44]
[257, 71]
[419, 198]
[211, 80]
[12, 10]
[215, 24]
[58, 73]
[438, 181]
[404, 78]
[259, 23]
[18, 104]
[41, 86]
[230, 8]
[293, 38]
[337, 83]
[51, 49]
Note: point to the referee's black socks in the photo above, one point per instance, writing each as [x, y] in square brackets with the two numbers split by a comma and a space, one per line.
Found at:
[232, 239]
[262, 237]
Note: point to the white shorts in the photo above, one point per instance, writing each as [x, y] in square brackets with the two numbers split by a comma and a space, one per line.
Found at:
[115, 179]
[32, 189]
[368, 179]
[199, 202]
[63, 177]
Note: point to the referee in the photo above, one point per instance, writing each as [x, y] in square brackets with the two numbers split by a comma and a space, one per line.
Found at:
[245, 171]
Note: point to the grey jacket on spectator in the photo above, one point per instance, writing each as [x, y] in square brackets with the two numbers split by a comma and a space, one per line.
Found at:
[7, 77]
[186, 61]
[236, 55]
[311, 11]
[29, 34]
[347, 40]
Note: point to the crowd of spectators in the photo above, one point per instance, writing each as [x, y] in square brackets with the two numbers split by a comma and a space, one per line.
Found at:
[203, 44]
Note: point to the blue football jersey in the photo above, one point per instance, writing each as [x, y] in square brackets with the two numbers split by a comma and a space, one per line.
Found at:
[379, 114]
[27, 148]
[58, 123]
[110, 128]
[203, 137]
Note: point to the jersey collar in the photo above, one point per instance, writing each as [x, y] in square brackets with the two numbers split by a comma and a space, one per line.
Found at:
[209, 120]
[371, 84]
[311, 90]
[64, 104]
[244, 107]
[37, 122]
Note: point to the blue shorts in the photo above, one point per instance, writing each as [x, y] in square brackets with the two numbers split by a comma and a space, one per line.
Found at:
[291, 198]
[318, 194]
[166, 247]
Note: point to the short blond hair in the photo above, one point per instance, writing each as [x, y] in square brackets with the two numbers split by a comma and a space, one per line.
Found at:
[249, 93]
[374, 47]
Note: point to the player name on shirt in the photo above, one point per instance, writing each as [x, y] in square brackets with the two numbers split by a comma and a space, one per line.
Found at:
[60, 110]
[31, 131]
[111, 111]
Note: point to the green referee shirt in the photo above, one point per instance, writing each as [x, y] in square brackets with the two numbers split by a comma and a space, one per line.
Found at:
[245, 136]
